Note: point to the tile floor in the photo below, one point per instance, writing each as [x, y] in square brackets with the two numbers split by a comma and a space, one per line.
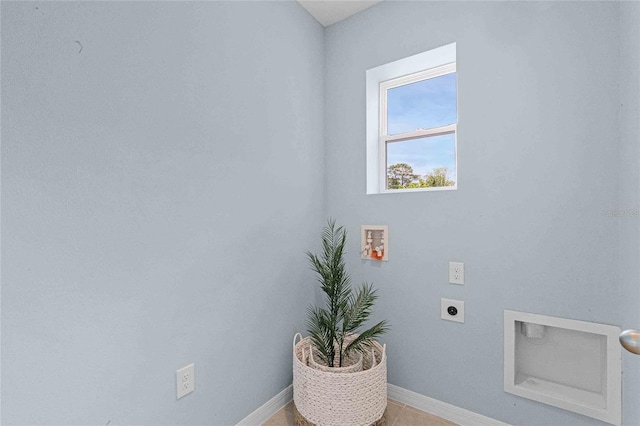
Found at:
[397, 415]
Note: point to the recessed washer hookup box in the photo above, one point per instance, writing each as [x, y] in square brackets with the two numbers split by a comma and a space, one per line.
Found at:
[570, 364]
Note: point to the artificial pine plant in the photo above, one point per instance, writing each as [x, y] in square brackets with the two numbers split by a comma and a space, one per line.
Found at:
[346, 310]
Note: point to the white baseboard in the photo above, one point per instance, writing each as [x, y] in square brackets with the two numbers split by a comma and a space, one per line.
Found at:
[441, 409]
[424, 403]
[269, 408]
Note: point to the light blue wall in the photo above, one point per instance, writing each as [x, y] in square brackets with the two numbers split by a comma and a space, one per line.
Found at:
[159, 189]
[539, 163]
[630, 195]
[160, 186]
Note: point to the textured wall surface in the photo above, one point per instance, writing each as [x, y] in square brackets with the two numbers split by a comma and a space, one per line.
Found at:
[629, 203]
[539, 165]
[161, 178]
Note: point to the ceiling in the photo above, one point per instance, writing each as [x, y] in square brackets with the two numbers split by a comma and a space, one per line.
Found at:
[329, 12]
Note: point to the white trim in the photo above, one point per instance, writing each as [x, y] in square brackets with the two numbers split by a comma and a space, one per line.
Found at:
[442, 409]
[382, 169]
[424, 403]
[420, 133]
[434, 188]
[418, 76]
[268, 409]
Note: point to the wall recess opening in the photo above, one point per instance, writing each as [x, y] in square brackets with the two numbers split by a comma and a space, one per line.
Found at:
[574, 365]
[374, 242]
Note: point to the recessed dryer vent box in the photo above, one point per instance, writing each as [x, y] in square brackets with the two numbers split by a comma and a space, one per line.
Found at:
[574, 365]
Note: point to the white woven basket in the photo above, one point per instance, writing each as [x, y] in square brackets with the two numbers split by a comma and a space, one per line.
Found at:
[328, 398]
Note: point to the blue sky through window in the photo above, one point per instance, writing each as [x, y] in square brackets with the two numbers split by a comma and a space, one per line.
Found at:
[423, 105]
[425, 154]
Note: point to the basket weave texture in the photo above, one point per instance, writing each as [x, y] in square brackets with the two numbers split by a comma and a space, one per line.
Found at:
[330, 398]
[351, 364]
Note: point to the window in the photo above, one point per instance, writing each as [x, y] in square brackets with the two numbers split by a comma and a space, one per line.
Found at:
[412, 123]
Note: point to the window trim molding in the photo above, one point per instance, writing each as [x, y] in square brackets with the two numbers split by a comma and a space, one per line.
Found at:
[400, 72]
[420, 133]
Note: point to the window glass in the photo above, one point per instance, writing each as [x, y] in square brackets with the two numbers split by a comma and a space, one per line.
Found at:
[422, 163]
[424, 104]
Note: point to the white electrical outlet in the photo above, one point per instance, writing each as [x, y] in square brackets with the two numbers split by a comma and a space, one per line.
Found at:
[452, 310]
[456, 273]
[185, 381]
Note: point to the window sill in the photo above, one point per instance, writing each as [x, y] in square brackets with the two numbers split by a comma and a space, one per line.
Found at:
[400, 191]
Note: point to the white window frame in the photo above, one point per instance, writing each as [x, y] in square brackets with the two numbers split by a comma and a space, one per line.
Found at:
[423, 66]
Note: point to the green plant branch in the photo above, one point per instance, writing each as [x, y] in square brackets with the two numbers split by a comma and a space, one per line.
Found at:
[345, 311]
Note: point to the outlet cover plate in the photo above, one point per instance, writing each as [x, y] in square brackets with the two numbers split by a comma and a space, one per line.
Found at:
[445, 304]
[456, 273]
[185, 381]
